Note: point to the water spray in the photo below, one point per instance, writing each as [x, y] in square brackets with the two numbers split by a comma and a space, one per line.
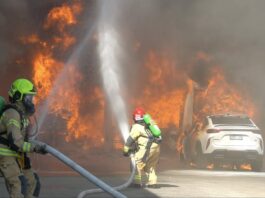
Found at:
[108, 50]
[110, 53]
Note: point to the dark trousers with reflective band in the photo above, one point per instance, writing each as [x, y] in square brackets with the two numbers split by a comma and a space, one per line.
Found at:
[19, 183]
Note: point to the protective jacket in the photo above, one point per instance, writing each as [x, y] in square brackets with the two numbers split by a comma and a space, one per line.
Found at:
[13, 125]
[140, 134]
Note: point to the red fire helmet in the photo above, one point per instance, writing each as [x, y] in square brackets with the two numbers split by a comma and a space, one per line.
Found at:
[138, 114]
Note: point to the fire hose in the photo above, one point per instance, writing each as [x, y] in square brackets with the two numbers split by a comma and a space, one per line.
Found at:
[122, 186]
[102, 186]
[82, 171]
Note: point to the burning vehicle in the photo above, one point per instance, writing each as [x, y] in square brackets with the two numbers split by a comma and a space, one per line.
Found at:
[227, 138]
[211, 137]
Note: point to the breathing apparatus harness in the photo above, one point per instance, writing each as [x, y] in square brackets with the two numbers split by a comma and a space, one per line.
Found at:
[153, 133]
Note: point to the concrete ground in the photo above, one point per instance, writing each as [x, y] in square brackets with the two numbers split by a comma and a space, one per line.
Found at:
[172, 183]
[58, 181]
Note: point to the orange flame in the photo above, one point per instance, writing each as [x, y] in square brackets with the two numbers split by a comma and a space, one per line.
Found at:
[45, 70]
[63, 16]
[60, 18]
[164, 101]
[167, 87]
[67, 101]
[221, 97]
[245, 167]
[166, 104]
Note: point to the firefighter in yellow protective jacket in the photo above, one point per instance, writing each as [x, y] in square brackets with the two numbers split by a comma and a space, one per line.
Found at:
[146, 151]
[15, 164]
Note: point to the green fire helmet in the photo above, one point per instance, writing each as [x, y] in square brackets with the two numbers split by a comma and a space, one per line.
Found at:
[21, 87]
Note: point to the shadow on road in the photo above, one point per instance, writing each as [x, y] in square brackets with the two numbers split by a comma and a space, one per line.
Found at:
[166, 186]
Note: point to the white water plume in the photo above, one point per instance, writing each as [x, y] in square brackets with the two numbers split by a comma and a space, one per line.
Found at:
[109, 51]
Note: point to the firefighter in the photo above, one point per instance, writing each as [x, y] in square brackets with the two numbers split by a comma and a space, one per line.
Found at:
[15, 164]
[146, 151]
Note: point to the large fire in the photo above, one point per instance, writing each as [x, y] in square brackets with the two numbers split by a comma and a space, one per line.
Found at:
[59, 83]
[221, 97]
[162, 95]
[165, 93]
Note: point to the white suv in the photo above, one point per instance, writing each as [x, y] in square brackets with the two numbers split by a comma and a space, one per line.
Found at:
[225, 139]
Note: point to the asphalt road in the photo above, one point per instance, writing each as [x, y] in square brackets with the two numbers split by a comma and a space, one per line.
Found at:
[172, 183]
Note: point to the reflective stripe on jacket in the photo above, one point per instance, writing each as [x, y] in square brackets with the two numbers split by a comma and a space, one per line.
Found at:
[8, 152]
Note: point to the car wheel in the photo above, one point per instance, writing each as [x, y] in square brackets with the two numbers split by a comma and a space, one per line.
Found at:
[201, 161]
[257, 166]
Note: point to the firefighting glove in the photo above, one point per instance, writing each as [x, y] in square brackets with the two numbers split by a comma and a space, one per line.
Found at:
[40, 148]
[126, 151]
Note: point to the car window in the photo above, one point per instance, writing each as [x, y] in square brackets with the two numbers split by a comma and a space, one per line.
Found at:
[234, 120]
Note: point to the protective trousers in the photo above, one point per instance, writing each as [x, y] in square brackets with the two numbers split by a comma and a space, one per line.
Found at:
[19, 183]
[12, 174]
[145, 170]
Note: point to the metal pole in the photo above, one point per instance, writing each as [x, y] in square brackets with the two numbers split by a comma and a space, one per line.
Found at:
[81, 171]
